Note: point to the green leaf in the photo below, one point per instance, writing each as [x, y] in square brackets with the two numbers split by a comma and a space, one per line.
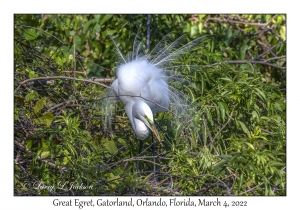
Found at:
[191, 93]
[186, 27]
[31, 95]
[200, 26]
[71, 149]
[45, 144]
[29, 143]
[224, 93]
[255, 115]
[190, 161]
[32, 75]
[217, 110]
[30, 34]
[244, 128]
[225, 156]
[105, 18]
[72, 33]
[222, 109]
[194, 30]
[39, 105]
[260, 93]
[221, 165]
[226, 79]
[121, 141]
[209, 117]
[97, 17]
[282, 32]
[45, 154]
[16, 117]
[97, 28]
[60, 61]
[279, 19]
[77, 42]
[66, 51]
[47, 119]
[66, 159]
[87, 25]
[228, 37]
[241, 181]
[110, 147]
[243, 50]
[250, 145]
[178, 130]
[276, 164]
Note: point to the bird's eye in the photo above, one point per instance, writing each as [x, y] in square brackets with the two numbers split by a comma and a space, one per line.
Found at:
[148, 119]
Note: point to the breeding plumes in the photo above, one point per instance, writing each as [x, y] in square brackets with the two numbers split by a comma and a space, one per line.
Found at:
[144, 85]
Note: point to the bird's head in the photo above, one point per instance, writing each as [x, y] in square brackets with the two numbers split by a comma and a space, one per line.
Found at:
[142, 111]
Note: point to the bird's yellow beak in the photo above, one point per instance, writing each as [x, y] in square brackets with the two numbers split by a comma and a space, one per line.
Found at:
[152, 127]
[155, 132]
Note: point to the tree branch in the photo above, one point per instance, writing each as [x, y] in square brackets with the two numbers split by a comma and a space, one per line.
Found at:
[252, 61]
[94, 81]
[239, 22]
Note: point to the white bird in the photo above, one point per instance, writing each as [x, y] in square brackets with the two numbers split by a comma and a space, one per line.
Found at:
[144, 88]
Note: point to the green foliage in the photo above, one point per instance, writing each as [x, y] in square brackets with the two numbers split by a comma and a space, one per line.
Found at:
[236, 81]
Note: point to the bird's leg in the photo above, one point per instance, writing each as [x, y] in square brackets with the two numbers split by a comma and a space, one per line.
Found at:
[153, 154]
[141, 146]
[154, 158]
[140, 151]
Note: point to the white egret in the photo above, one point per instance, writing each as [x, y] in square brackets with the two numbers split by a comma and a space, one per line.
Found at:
[143, 85]
[139, 84]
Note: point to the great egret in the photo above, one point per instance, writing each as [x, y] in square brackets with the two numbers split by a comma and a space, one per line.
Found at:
[143, 85]
[143, 92]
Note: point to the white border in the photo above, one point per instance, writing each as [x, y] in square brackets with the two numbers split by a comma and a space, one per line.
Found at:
[8, 8]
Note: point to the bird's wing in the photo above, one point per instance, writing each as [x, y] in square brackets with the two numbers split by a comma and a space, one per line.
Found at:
[157, 91]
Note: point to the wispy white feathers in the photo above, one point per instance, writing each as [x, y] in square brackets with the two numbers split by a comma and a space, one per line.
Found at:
[164, 49]
[158, 71]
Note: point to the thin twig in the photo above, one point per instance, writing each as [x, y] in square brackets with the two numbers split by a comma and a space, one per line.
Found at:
[143, 158]
[239, 22]
[77, 72]
[65, 103]
[275, 58]
[74, 83]
[63, 77]
[244, 61]
[269, 132]
[270, 49]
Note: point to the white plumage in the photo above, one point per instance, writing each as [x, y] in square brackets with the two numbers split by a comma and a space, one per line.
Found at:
[143, 84]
